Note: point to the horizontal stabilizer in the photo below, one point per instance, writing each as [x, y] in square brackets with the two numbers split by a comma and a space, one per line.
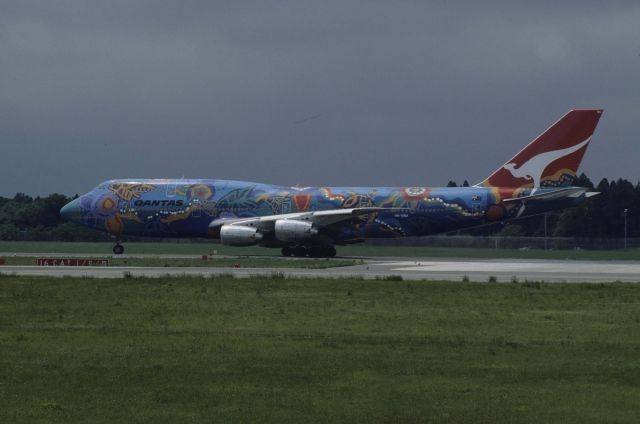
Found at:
[571, 192]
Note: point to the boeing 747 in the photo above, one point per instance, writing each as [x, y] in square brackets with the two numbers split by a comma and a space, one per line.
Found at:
[311, 221]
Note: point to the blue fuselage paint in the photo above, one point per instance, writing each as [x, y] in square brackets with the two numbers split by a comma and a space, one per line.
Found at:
[185, 208]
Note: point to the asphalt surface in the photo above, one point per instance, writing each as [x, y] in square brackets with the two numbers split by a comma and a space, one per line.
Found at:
[503, 270]
[96, 255]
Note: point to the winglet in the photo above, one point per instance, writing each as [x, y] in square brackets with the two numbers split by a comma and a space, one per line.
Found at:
[552, 159]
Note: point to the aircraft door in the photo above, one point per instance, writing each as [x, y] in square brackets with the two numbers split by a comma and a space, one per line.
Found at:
[476, 204]
[171, 190]
[197, 208]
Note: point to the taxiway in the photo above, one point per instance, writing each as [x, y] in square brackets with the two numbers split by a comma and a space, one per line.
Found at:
[504, 270]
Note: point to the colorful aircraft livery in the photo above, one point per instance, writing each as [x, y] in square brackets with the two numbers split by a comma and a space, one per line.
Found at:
[311, 221]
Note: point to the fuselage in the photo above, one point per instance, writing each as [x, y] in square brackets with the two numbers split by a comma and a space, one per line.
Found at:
[311, 220]
[186, 207]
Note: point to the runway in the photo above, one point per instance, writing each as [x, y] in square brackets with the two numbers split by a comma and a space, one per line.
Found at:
[480, 270]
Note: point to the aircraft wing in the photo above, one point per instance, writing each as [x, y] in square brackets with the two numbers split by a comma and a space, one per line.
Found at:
[318, 218]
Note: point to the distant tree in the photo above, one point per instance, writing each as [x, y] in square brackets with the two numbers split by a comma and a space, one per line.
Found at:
[22, 198]
[510, 230]
[569, 222]
[600, 210]
[622, 197]
[9, 232]
[634, 213]
[582, 181]
[47, 210]
[465, 183]
[452, 183]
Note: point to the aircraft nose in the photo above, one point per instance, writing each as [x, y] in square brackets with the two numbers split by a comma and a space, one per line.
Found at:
[71, 211]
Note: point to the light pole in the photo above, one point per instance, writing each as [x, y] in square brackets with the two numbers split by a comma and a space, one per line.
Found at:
[545, 230]
[626, 211]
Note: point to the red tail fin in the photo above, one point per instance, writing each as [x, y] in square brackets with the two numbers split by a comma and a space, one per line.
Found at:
[552, 159]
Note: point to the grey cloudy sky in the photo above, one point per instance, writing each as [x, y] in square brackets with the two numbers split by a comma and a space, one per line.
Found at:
[306, 92]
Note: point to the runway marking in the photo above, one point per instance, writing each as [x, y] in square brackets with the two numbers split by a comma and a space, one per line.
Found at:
[402, 263]
[502, 267]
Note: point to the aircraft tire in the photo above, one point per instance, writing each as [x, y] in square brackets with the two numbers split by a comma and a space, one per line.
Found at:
[322, 251]
[287, 252]
[315, 252]
[300, 251]
[118, 249]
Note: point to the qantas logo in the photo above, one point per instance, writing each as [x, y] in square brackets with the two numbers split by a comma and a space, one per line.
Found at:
[534, 167]
[158, 203]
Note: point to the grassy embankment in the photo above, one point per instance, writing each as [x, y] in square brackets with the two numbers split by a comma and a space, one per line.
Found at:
[216, 262]
[291, 350]
[354, 250]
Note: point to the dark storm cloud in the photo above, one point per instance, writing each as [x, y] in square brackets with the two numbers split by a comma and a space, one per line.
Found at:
[342, 93]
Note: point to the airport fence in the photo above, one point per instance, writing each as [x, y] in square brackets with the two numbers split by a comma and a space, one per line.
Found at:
[486, 242]
[492, 242]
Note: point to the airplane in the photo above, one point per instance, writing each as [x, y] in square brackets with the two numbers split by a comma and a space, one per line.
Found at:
[311, 221]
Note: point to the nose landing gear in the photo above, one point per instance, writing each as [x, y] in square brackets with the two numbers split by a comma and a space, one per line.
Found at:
[118, 249]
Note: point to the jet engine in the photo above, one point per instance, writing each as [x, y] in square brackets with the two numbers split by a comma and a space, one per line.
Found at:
[294, 231]
[239, 235]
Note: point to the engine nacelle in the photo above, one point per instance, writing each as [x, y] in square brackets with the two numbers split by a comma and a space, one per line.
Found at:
[239, 235]
[294, 231]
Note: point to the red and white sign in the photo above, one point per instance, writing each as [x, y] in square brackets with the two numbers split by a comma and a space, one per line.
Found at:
[71, 262]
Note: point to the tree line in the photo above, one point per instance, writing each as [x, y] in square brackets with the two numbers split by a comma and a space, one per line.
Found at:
[26, 218]
[603, 216]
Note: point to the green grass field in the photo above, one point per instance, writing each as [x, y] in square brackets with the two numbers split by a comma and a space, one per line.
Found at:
[294, 350]
[217, 262]
[353, 250]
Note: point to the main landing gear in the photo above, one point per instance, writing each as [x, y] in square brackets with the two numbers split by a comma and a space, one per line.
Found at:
[118, 249]
[311, 251]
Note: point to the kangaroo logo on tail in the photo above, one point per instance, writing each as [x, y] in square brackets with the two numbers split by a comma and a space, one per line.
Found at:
[534, 167]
